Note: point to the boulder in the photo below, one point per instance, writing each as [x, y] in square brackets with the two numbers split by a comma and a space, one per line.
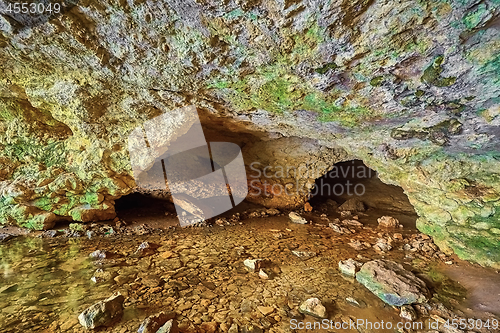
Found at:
[103, 313]
[392, 283]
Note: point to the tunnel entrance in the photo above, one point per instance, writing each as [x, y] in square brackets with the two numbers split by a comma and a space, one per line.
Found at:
[353, 179]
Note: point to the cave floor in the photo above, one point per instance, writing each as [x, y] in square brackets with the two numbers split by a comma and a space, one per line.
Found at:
[198, 272]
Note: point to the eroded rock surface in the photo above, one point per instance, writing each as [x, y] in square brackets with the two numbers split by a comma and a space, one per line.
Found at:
[392, 283]
[103, 313]
[410, 88]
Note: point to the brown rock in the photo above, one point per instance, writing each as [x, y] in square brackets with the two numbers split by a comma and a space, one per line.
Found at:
[153, 323]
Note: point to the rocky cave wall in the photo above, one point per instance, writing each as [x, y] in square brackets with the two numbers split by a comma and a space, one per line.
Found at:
[409, 87]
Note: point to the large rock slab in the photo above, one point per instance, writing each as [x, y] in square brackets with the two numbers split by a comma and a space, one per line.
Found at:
[103, 313]
[392, 283]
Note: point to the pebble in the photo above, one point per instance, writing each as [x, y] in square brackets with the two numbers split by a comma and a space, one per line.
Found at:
[253, 264]
[296, 218]
[265, 310]
[388, 222]
[408, 313]
[102, 313]
[313, 307]
[98, 254]
[349, 267]
[304, 254]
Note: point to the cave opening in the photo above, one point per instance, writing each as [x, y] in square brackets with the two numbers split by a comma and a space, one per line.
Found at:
[354, 180]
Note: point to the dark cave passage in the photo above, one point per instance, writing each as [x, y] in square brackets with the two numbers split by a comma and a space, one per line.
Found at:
[353, 179]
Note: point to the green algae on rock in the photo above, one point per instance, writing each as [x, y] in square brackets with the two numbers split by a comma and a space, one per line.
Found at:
[342, 77]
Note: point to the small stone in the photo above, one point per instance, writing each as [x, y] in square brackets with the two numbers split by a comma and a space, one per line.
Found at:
[121, 280]
[263, 275]
[352, 205]
[208, 294]
[265, 310]
[169, 327]
[296, 218]
[388, 222]
[103, 313]
[233, 329]
[313, 307]
[9, 288]
[209, 327]
[353, 223]
[308, 207]
[98, 254]
[251, 329]
[357, 245]
[101, 276]
[345, 213]
[304, 255]
[5, 237]
[382, 245]
[356, 303]
[339, 229]
[144, 249]
[349, 267]
[153, 323]
[48, 234]
[253, 264]
[246, 306]
[408, 313]
[151, 281]
[272, 212]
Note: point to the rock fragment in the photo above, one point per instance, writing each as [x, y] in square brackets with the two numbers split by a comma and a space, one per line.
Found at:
[392, 283]
[353, 204]
[103, 313]
[153, 323]
[265, 310]
[169, 327]
[5, 237]
[296, 218]
[98, 254]
[408, 313]
[313, 307]
[388, 222]
[358, 245]
[349, 267]
[304, 255]
[253, 265]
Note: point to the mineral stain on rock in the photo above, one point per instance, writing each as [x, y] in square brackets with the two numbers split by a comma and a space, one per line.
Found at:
[408, 89]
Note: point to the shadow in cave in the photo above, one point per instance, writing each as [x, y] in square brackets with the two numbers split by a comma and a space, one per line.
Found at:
[353, 179]
[151, 208]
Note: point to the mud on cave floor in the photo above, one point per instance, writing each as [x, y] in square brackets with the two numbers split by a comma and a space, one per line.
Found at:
[198, 272]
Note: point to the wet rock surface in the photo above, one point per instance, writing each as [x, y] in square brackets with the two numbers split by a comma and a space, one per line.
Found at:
[199, 273]
[103, 313]
[392, 283]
